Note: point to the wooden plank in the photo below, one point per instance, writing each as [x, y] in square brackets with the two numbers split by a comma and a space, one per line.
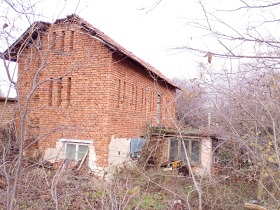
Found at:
[254, 206]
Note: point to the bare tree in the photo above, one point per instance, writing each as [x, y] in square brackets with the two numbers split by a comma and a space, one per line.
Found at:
[244, 90]
[240, 78]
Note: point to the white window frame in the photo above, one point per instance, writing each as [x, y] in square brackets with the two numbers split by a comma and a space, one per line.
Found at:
[76, 150]
[189, 148]
[75, 142]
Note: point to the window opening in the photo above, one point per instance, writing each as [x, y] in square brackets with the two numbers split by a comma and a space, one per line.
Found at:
[177, 152]
[132, 95]
[68, 90]
[153, 101]
[39, 41]
[136, 95]
[54, 40]
[72, 40]
[62, 40]
[36, 98]
[142, 99]
[145, 99]
[136, 145]
[150, 102]
[119, 93]
[158, 108]
[124, 89]
[75, 151]
[59, 91]
[50, 92]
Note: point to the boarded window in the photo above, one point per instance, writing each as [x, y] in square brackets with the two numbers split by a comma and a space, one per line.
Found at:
[177, 152]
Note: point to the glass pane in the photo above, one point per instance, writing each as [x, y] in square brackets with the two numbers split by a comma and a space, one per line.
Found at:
[173, 150]
[136, 145]
[183, 154]
[70, 151]
[195, 157]
[82, 149]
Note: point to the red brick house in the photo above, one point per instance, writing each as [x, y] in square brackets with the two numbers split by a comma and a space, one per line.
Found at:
[89, 92]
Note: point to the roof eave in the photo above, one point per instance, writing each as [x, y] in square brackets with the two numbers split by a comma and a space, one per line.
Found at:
[12, 52]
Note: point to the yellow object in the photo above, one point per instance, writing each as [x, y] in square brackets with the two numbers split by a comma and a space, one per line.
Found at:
[176, 164]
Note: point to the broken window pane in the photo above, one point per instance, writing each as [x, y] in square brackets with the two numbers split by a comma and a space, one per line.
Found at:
[70, 151]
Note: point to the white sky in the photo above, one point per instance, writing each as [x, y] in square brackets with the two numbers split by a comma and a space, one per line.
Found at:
[149, 35]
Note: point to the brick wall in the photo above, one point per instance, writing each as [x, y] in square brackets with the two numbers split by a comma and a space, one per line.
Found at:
[7, 111]
[85, 91]
[134, 99]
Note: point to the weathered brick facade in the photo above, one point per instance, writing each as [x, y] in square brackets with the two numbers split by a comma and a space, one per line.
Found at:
[87, 87]
[7, 110]
[7, 116]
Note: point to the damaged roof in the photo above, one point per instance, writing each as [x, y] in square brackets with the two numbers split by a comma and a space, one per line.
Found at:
[37, 27]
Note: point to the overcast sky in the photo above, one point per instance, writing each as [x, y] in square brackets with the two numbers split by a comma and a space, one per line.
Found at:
[150, 33]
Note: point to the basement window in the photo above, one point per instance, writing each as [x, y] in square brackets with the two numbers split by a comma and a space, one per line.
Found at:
[136, 145]
[177, 152]
[75, 151]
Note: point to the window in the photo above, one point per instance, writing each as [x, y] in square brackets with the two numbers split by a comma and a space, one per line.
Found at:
[75, 151]
[136, 146]
[177, 152]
